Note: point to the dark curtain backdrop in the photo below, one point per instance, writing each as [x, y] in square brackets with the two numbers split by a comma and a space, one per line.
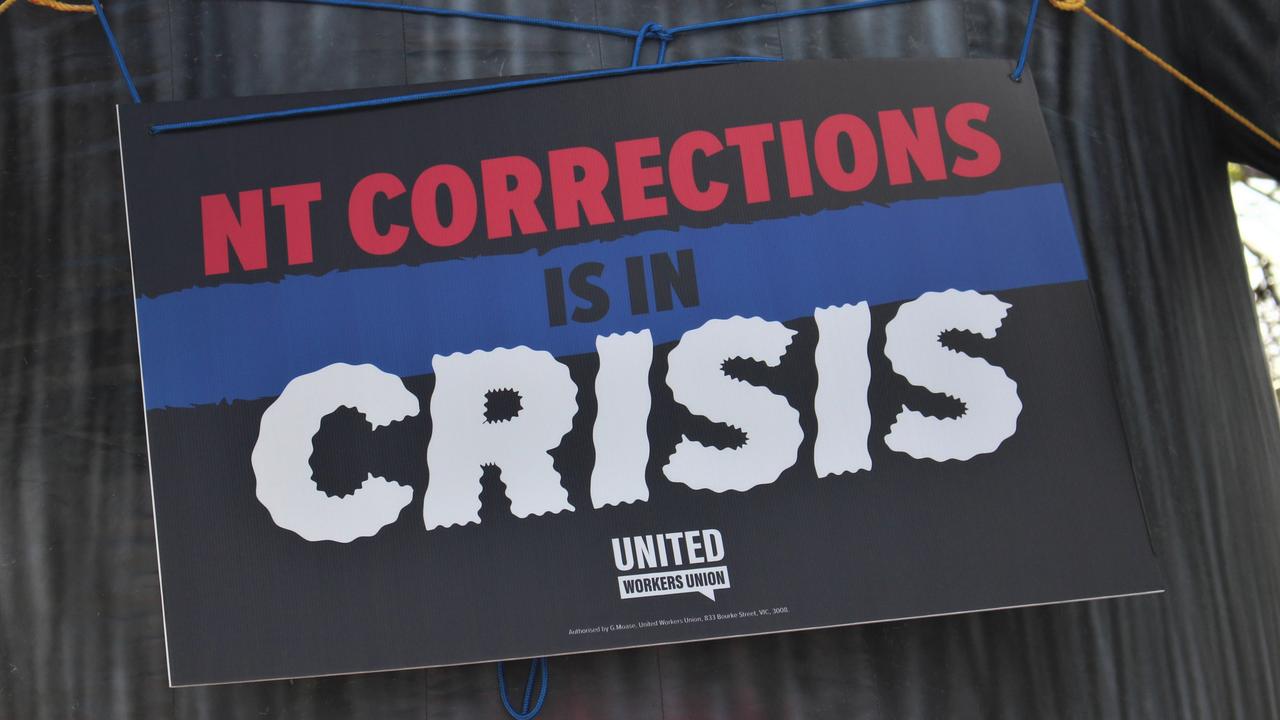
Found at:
[1144, 164]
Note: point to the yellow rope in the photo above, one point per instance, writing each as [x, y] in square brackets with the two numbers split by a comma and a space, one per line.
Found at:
[1080, 6]
[52, 5]
[63, 6]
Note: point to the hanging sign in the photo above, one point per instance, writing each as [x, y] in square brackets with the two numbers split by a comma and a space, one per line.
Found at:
[682, 355]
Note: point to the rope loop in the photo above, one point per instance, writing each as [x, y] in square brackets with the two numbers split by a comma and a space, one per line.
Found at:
[538, 667]
[651, 30]
[1068, 5]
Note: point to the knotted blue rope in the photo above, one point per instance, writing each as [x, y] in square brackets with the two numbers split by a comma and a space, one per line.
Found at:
[649, 30]
[536, 667]
[652, 29]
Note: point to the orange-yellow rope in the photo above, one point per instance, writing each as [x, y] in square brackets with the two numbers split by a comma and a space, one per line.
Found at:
[52, 5]
[63, 6]
[1081, 6]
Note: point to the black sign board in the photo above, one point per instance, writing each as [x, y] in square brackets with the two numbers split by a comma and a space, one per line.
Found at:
[682, 355]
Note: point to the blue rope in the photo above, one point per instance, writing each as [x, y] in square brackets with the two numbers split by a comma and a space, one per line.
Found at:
[1026, 42]
[528, 685]
[655, 30]
[473, 15]
[111, 40]
[649, 30]
[537, 667]
[438, 94]
[640, 36]
[783, 15]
